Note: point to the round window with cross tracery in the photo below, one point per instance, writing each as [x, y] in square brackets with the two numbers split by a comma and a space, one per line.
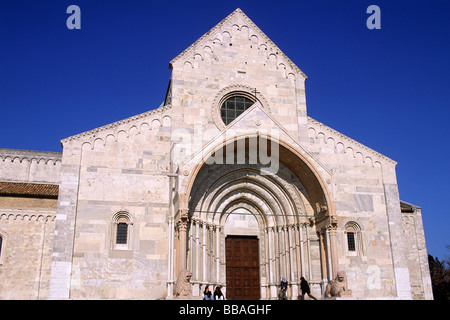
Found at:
[233, 107]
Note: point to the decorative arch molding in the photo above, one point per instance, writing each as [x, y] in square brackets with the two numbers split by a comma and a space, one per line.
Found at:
[202, 240]
[265, 207]
[242, 209]
[121, 217]
[123, 214]
[343, 144]
[227, 92]
[352, 223]
[30, 157]
[21, 216]
[275, 204]
[31, 160]
[357, 246]
[280, 194]
[247, 205]
[226, 30]
[151, 120]
[310, 177]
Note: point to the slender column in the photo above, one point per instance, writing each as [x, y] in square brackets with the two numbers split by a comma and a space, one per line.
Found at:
[277, 256]
[191, 246]
[204, 278]
[271, 259]
[322, 253]
[170, 258]
[286, 253]
[300, 253]
[197, 251]
[308, 248]
[193, 253]
[332, 229]
[182, 228]
[292, 252]
[328, 253]
[267, 262]
[211, 254]
[286, 260]
[223, 258]
[218, 254]
[292, 260]
[272, 263]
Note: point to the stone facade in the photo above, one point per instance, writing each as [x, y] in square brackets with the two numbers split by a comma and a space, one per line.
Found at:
[179, 182]
[27, 222]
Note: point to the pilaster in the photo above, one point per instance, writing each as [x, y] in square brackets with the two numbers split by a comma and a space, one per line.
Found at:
[398, 245]
[63, 243]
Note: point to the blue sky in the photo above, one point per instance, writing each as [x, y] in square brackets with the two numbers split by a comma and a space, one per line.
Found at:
[389, 89]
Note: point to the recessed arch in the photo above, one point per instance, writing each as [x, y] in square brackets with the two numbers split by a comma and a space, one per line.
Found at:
[281, 196]
[289, 207]
[243, 212]
[301, 165]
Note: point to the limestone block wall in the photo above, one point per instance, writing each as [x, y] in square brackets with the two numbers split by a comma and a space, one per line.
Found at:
[236, 56]
[123, 170]
[27, 224]
[366, 195]
[417, 255]
[25, 257]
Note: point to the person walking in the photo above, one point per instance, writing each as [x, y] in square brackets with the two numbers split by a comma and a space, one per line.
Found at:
[283, 289]
[304, 286]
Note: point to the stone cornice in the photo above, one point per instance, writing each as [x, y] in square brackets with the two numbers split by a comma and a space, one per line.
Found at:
[92, 132]
[327, 131]
[29, 155]
[27, 214]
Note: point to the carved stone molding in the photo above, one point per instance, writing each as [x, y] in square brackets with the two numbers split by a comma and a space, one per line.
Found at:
[239, 20]
[25, 216]
[135, 121]
[368, 155]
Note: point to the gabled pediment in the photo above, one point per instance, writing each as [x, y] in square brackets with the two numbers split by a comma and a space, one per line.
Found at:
[254, 122]
[152, 119]
[343, 144]
[223, 35]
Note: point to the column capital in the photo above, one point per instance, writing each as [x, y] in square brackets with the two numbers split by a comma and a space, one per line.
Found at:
[182, 224]
[332, 228]
[183, 213]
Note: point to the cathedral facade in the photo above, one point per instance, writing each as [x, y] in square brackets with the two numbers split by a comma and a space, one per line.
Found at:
[229, 179]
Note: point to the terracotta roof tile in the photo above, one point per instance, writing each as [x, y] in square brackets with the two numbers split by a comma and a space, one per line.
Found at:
[29, 190]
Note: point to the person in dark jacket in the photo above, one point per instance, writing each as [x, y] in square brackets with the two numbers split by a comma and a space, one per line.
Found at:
[283, 289]
[304, 286]
[207, 295]
[218, 295]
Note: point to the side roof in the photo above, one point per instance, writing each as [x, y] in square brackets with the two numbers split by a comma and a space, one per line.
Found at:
[408, 207]
[32, 190]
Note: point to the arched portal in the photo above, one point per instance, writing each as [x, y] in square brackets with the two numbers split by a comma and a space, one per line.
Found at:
[282, 211]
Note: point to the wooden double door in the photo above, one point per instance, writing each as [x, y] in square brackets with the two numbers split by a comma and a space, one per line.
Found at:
[242, 268]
